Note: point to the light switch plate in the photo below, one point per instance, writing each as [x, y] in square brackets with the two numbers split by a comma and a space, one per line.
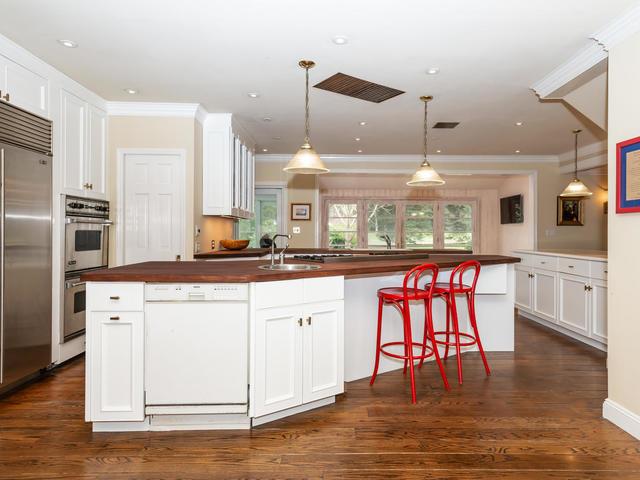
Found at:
[296, 229]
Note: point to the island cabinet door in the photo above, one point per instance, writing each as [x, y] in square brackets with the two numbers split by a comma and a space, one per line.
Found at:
[544, 294]
[524, 289]
[278, 359]
[323, 350]
[117, 366]
[573, 303]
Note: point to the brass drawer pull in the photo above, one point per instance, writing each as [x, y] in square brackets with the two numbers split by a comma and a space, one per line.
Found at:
[114, 318]
[114, 297]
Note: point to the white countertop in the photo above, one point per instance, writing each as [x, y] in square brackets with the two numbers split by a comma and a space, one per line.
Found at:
[598, 255]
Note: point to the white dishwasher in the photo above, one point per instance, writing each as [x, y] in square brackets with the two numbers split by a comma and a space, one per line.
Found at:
[196, 348]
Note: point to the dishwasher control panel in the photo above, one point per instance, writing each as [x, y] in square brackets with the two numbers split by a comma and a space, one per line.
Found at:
[188, 292]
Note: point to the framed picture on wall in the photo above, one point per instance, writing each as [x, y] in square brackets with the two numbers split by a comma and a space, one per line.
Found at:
[570, 212]
[300, 211]
[628, 176]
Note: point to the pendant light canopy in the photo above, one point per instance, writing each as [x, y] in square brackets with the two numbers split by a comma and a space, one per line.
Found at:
[425, 176]
[306, 160]
[576, 188]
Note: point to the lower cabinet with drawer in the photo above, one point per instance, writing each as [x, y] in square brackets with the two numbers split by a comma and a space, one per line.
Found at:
[298, 355]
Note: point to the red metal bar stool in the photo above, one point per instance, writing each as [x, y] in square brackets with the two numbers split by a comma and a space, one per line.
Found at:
[400, 297]
[449, 291]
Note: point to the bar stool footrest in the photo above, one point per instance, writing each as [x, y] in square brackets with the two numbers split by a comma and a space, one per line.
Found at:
[472, 339]
[428, 352]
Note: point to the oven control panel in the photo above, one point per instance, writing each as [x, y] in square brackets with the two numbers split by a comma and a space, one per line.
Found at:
[83, 207]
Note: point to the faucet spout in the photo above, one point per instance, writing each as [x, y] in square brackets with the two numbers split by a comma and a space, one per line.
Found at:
[273, 248]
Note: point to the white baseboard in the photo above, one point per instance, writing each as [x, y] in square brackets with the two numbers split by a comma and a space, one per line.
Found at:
[621, 417]
[565, 331]
[292, 411]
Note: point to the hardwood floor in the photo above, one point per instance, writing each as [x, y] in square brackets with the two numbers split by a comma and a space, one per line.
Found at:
[537, 417]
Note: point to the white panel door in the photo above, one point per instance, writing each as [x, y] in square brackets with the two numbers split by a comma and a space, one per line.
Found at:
[573, 303]
[278, 360]
[26, 89]
[117, 366]
[97, 153]
[544, 294]
[323, 351]
[153, 207]
[524, 289]
[73, 148]
[599, 310]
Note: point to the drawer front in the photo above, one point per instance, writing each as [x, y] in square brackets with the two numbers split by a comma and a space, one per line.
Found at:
[574, 266]
[279, 294]
[323, 289]
[599, 270]
[525, 259]
[115, 297]
[545, 262]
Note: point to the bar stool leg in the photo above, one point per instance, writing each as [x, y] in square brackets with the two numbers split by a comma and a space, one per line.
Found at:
[448, 315]
[474, 325]
[379, 335]
[406, 317]
[426, 332]
[456, 331]
[432, 336]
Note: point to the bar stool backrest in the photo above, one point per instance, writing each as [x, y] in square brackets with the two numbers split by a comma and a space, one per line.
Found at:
[416, 273]
[456, 282]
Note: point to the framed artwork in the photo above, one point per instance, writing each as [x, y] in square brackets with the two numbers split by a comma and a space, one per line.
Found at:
[628, 176]
[300, 211]
[570, 212]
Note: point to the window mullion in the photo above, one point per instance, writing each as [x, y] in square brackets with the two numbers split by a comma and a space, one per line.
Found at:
[438, 226]
[362, 224]
[400, 213]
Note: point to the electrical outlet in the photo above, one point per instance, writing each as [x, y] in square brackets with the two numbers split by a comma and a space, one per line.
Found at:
[213, 244]
[296, 229]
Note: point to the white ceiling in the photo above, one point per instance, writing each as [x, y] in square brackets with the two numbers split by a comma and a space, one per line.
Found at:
[214, 52]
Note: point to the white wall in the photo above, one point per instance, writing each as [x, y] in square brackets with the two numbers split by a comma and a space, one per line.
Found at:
[516, 236]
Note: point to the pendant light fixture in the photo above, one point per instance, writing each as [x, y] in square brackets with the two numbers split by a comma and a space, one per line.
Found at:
[306, 160]
[576, 188]
[425, 176]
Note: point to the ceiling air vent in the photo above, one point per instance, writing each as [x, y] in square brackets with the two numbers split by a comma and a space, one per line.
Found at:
[358, 88]
[446, 125]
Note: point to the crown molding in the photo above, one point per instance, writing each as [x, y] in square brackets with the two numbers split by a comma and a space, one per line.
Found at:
[415, 159]
[619, 29]
[153, 109]
[585, 59]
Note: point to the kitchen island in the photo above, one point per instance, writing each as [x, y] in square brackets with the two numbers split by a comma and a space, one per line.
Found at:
[195, 345]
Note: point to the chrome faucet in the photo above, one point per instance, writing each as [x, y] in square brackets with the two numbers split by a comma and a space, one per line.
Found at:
[273, 248]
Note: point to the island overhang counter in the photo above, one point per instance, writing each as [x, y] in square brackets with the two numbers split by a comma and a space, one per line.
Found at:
[307, 332]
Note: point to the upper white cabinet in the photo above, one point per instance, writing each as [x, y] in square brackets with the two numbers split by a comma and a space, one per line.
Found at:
[83, 147]
[23, 87]
[228, 165]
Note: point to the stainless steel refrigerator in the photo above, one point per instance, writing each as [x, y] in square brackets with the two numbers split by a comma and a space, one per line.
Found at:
[25, 245]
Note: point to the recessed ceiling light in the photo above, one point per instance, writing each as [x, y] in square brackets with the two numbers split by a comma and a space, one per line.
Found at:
[433, 71]
[518, 124]
[517, 151]
[267, 119]
[359, 151]
[362, 124]
[131, 91]
[68, 43]
[265, 150]
[357, 139]
[340, 40]
[438, 151]
[253, 95]
[276, 138]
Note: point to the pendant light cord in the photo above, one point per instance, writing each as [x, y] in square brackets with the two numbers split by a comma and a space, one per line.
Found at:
[426, 127]
[306, 106]
[575, 158]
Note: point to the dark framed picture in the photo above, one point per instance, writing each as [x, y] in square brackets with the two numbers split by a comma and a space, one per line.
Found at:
[300, 211]
[628, 176]
[570, 212]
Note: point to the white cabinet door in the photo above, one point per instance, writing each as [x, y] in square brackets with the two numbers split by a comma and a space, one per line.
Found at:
[573, 303]
[26, 89]
[599, 310]
[544, 294]
[524, 288]
[73, 147]
[96, 165]
[117, 366]
[323, 361]
[278, 360]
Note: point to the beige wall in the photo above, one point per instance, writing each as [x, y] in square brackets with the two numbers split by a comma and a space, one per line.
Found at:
[164, 132]
[624, 233]
[518, 235]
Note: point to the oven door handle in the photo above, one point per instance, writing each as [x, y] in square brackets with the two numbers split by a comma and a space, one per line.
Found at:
[78, 284]
[104, 223]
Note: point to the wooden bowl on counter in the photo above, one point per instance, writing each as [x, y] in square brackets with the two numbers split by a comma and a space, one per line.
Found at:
[234, 244]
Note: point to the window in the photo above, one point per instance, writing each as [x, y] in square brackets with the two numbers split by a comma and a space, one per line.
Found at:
[342, 225]
[411, 224]
[267, 218]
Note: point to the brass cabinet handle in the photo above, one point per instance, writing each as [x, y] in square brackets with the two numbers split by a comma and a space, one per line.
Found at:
[114, 318]
[570, 266]
[91, 186]
[114, 297]
[5, 97]
[308, 320]
[86, 186]
[299, 322]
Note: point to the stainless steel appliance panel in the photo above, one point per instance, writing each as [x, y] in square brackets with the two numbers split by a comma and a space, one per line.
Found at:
[86, 243]
[26, 262]
[75, 302]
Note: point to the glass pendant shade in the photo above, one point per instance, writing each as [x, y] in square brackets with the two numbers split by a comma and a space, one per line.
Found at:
[306, 161]
[425, 176]
[576, 189]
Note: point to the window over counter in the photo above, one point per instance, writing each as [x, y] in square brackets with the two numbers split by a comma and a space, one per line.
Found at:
[268, 217]
[378, 223]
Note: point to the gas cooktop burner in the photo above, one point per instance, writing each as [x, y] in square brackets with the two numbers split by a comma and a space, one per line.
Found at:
[320, 257]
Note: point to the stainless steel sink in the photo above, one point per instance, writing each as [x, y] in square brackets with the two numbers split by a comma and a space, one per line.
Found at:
[289, 267]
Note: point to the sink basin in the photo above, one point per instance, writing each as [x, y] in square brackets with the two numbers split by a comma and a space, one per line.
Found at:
[290, 267]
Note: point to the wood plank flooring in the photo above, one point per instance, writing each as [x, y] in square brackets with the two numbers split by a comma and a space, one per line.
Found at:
[537, 417]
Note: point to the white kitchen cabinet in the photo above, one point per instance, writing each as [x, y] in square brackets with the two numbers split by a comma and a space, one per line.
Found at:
[598, 294]
[23, 87]
[83, 147]
[524, 288]
[544, 294]
[573, 303]
[228, 177]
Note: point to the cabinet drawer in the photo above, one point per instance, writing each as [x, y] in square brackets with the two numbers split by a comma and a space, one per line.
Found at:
[526, 260]
[323, 289]
[574, 266]
[545, 262]
[279, 294]
[599, 270]
[115, 297]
